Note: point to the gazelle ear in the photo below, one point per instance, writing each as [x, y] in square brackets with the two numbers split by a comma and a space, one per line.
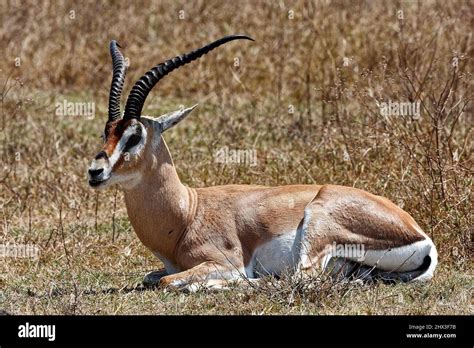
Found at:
[170, 119]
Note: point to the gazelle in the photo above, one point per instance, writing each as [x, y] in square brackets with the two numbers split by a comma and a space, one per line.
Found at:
[208, 236]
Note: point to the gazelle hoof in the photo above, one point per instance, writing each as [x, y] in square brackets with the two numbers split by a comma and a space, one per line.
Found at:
[153, 278]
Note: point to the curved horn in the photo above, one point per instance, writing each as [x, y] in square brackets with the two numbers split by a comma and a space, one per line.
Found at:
[144, 85]
[119, 70]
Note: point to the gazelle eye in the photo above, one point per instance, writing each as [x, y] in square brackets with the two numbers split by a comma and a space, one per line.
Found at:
[132, 141]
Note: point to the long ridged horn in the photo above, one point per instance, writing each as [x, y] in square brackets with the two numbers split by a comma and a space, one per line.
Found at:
[118, 78]
[144, 85]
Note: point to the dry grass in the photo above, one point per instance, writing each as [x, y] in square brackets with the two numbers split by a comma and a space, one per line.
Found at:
[332, 64]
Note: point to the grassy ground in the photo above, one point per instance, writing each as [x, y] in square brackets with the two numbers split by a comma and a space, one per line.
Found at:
[305, 96]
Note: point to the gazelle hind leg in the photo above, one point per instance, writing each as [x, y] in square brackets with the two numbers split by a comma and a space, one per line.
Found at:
[340, 268]
[362, 228]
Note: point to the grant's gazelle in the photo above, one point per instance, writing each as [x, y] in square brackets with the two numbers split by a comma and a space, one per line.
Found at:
[208, 236]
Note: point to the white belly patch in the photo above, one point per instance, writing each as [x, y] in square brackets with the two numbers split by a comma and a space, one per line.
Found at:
[276, 256]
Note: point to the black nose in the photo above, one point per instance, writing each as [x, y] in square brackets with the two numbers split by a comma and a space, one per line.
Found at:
[95, 172]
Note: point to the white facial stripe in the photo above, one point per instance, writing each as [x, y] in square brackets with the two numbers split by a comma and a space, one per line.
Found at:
[123, 141]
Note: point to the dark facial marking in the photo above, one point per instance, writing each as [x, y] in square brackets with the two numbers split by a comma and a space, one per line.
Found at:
[100, 155]
[134, 139]
[113, 132]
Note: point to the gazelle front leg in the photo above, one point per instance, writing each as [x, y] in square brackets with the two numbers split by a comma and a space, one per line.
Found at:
[153, 278]
[209, 275]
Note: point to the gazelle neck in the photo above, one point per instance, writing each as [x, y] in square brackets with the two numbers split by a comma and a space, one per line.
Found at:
[159, 205]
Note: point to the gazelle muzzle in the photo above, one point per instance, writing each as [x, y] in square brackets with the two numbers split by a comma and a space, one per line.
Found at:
[99, 170]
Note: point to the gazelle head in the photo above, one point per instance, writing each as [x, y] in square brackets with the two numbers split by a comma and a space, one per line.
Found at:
[126, 139]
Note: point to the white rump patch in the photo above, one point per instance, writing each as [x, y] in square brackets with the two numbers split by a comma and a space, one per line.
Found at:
[402, 259]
